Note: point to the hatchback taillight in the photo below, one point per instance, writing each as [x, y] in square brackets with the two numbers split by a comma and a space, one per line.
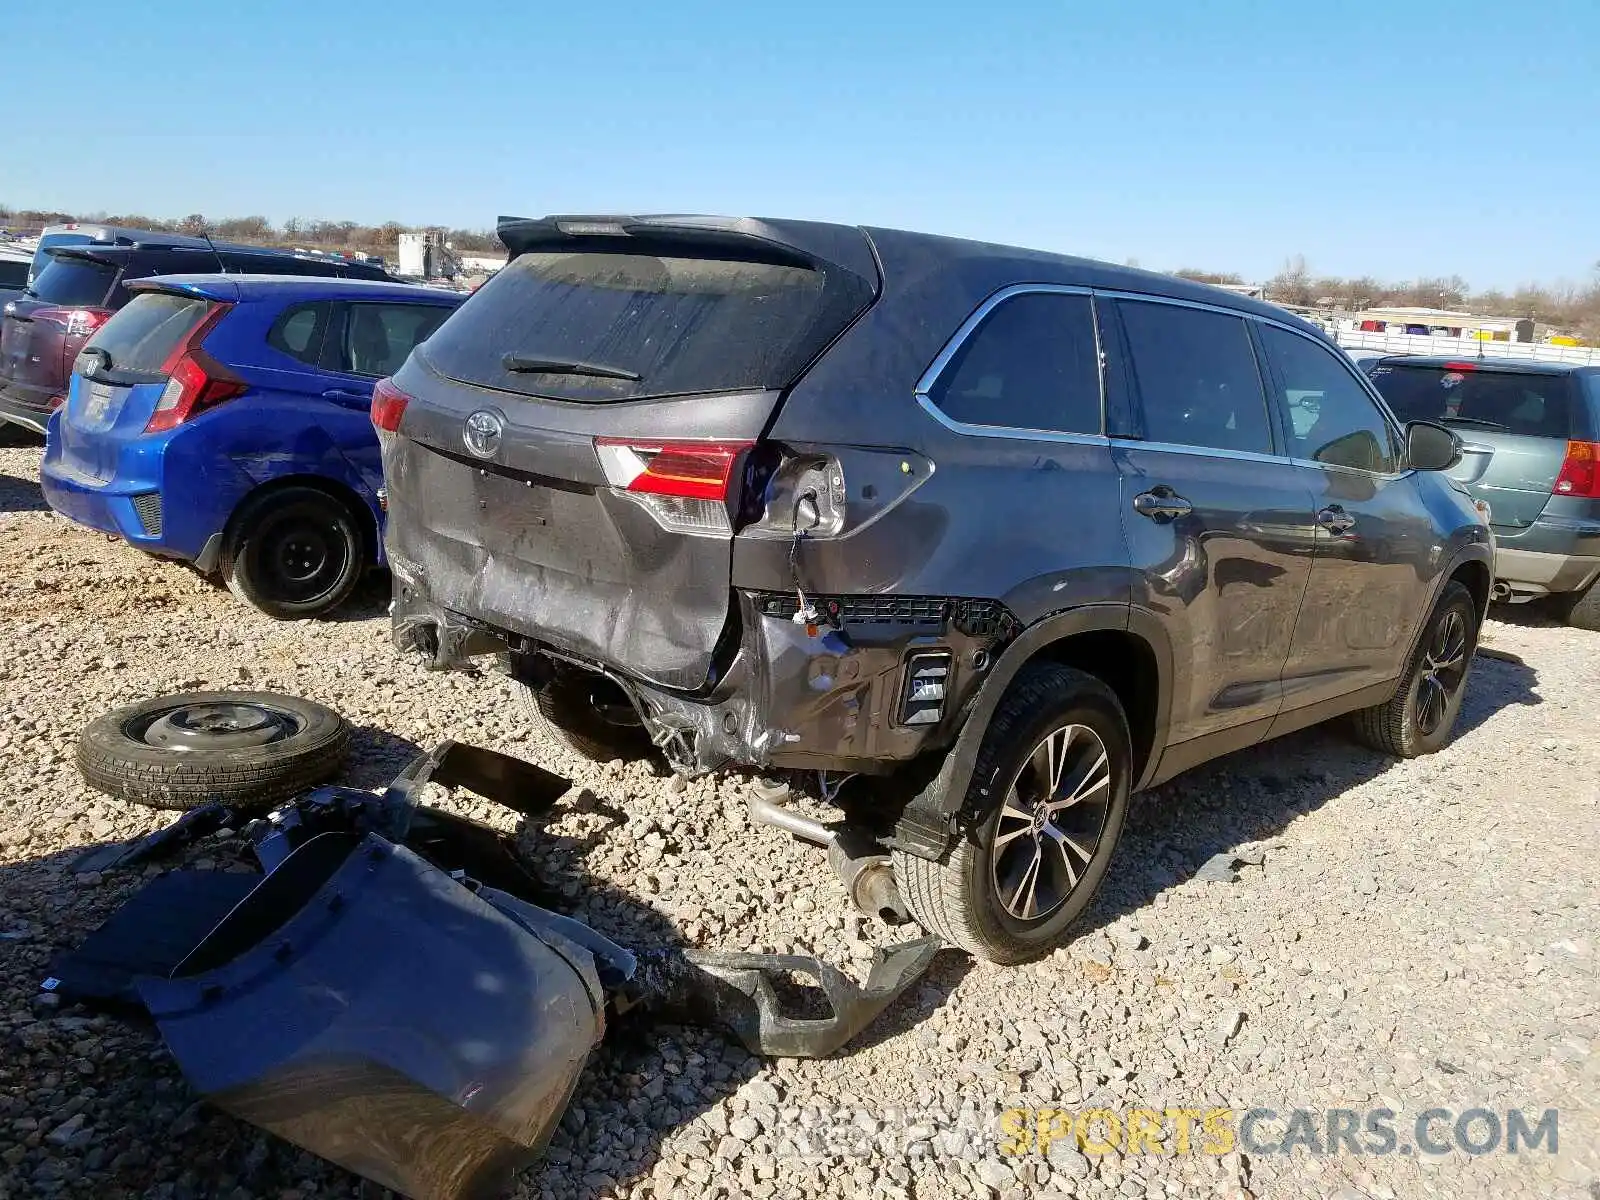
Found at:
[195, 381]
[196, 384]
[1580, 473]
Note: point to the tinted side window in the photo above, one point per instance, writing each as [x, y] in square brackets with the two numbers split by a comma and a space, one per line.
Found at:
[1031, 364]
[13, 273]
[1332, 419]
[299, 330]
[378, 337]
[1197, 377]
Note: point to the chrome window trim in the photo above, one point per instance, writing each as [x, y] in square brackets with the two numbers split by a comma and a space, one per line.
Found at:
[1362, 471]
[1158, 298]
[1122, 443]
[967, 328]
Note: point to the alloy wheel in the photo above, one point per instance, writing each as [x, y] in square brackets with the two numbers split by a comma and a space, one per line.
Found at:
[1051, 822]
[1444, 669]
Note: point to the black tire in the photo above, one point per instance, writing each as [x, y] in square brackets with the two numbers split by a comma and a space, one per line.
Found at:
[961, 898]
[132, 752]
[1581, 610]
[563, 715]
[1406, 726]
[294, 552]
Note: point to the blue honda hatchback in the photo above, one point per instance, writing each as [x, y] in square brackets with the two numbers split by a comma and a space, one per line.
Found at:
[224, 420]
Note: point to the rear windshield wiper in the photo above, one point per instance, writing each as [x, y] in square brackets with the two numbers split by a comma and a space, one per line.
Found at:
[1478, 421]
[531, 364]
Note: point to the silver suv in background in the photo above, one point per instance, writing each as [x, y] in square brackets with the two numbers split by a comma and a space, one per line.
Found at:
[1532, 453]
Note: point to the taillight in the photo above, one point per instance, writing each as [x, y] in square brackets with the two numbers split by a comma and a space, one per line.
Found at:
[694, 470]
[388, 406]
[684, 485]
[195, 382]
[1580, 473]
[78, 322]
[192, 388]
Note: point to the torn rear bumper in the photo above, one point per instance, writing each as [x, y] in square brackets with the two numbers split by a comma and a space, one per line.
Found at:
[836, 695]
[396, 1024]
[390, 995]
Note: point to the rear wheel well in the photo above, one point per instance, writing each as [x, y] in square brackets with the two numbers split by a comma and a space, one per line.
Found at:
[1474, 576]
[346, 495]
[1126, 664]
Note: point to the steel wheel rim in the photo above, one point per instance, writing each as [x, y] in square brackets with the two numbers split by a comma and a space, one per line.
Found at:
[215, 725]
[301, 560]
[1444, 669]
[1051, 820]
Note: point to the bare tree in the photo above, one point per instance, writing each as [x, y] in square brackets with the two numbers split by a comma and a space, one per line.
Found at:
[1199, 275]
[1293, 284]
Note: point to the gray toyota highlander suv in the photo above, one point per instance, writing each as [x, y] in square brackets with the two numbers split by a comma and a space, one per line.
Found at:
[1010, 534]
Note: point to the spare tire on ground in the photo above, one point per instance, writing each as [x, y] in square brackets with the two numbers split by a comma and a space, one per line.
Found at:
[248, 749]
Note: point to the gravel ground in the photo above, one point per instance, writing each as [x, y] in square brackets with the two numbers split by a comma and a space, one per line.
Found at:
[1400, 935]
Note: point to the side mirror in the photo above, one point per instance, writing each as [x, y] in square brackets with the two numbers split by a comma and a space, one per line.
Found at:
[1431, 447]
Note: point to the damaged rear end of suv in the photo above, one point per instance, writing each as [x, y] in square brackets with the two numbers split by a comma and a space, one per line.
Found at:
[589, 481]
[660, 470]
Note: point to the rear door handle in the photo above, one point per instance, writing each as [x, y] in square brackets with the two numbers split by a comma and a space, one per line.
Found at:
[348, 396]
[1161, 504]
[1335, 520]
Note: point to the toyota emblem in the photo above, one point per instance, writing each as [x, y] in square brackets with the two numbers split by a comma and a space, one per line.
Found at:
[483, 432]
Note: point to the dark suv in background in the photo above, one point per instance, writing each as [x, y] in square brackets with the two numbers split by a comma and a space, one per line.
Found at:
[42, 331]
[1532, 433]
[1012, 533]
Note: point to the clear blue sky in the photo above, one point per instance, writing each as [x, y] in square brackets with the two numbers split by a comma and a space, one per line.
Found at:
[1395, 139]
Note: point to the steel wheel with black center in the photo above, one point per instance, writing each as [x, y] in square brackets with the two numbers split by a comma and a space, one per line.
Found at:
[293, 553]
[1047, 802]
[245, 748]
[1420, 716]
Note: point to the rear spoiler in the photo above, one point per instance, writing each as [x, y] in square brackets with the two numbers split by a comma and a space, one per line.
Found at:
[830, 248]
[220, 288]
[87, 253]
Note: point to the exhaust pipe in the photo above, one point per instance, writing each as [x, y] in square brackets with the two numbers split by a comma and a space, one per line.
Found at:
[860, 863]
[1500, 592]
[766, 808]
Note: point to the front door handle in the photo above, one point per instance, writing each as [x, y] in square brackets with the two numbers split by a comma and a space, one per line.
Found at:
[346, 394]
[1335, 520]
[1161, 504]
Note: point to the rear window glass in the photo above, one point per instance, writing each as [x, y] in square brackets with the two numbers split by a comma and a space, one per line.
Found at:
[298, 332]
[142, 336]
[74, 281]
[41, 259]
[611, 326]
[1531, 405]
[1032, 364]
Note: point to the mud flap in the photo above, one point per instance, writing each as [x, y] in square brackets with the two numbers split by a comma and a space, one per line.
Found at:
[397, 1024]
